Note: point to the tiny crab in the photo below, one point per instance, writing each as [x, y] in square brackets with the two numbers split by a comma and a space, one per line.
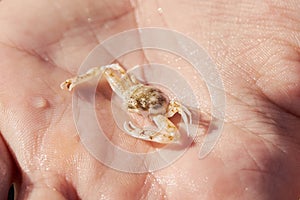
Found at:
[139, 98]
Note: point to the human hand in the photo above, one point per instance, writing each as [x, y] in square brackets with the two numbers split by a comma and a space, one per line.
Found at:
[255, 45]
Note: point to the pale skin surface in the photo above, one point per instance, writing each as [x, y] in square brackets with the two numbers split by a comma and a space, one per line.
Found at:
[256, 47]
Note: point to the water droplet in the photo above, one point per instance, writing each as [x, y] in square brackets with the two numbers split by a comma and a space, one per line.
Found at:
[38, 102]
[205, 179]
[160, 10]
[45, 57]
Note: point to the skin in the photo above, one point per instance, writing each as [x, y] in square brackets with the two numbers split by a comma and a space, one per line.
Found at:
[255, 45]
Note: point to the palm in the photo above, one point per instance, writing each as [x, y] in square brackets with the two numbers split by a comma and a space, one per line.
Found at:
[258, 154]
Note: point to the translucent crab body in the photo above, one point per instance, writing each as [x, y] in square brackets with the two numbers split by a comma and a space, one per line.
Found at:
[139, 98]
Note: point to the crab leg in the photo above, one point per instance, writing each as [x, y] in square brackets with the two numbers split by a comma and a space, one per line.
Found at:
[114, 74]
[145, 134]
[176, 107]
[166, 132]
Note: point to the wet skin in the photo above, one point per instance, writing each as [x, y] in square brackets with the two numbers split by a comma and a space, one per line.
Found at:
[255, 45]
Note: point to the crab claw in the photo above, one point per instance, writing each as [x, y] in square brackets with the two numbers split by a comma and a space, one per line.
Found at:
[67, 84]
[176, 107]
[159, 136]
